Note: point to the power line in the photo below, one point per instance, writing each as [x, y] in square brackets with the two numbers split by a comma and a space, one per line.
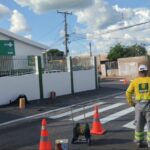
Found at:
[112, 38]
[80, 46]
[57, 41]
[78, 37]
[52, 30]
[114, 30]
[123, 28]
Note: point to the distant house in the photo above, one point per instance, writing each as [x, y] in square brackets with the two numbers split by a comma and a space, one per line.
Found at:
[123, 67]
[128, 67]
[13, 46]
[106, 67]
[101, 67]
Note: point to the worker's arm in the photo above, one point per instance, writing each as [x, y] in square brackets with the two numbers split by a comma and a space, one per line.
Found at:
[129, 93]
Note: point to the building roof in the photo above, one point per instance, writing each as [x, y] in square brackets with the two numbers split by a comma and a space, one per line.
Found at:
[14, 36]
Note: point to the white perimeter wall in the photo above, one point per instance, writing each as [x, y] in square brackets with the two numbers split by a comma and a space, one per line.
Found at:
[84, 80]
[12, 87]
[59, 82]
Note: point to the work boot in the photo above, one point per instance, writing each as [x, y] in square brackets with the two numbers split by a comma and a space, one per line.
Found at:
[139, 144]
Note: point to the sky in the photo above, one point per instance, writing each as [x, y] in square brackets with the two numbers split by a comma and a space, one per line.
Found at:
[91, 21]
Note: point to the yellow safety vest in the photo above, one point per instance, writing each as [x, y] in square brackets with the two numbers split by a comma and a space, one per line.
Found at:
[140, 87]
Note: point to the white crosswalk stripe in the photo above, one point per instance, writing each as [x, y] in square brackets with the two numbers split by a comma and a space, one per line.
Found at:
[89, 114]
[85, 112]
[117, 115]
[131, 125]
[121, 97]
[74, 111]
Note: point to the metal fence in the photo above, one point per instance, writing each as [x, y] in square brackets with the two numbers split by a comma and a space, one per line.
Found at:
[16, 66]
[21, 65]
[55, 64]
[82, 63]
[112, 65]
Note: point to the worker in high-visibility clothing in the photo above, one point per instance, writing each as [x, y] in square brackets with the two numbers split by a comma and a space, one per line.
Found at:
[140, 87]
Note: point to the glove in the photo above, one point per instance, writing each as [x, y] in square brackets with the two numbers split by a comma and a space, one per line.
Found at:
[132, 104]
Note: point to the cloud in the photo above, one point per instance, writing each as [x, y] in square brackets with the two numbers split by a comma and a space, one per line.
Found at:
[98, 16]
[28, 36]
[102, 17]
[4, 11]
[18, 22]
[40, 6]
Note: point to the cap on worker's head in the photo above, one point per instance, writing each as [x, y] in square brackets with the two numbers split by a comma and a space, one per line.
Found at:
[143, 68]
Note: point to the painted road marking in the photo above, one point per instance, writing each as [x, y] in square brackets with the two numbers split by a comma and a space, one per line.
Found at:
[32, 117]
[131, 125]
[89, 114]
[120, 97]
[74, 111]
[54, 110]
[117, 115]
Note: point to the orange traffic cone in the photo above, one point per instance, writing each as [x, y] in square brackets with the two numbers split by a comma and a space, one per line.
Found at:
[45, 143]
[125, 82]
[97, 126]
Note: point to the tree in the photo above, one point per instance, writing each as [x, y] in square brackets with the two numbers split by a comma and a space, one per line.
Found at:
[121, 51]
[116, 52]
[55, 52]
[137, 50]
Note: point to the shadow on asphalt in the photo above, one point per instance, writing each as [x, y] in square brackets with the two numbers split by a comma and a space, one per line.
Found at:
[118, 131]
[96, 142]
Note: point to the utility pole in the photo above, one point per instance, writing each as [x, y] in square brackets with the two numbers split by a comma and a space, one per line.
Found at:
[66, 31]
[90, 45]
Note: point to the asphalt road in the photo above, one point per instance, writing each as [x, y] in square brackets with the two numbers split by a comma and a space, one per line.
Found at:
[114, 115]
